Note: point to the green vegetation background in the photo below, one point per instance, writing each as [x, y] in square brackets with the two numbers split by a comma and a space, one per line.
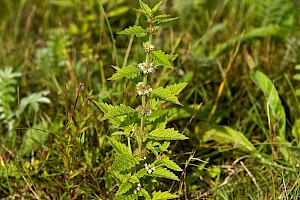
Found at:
[56, 56]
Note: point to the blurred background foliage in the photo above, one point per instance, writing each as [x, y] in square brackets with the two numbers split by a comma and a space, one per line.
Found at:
[242, 104]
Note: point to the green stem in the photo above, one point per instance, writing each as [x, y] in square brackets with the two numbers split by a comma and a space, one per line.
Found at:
[143, 118]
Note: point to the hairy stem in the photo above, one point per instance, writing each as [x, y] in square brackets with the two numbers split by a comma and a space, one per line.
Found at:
[145, 77]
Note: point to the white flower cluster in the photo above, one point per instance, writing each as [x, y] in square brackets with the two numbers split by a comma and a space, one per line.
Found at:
[138, 188]
[142, 90]
[149, 168]
[144, 110]
[148, 47]
[145, 69]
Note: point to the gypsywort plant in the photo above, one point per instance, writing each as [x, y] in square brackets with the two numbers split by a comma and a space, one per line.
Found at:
[142, 161]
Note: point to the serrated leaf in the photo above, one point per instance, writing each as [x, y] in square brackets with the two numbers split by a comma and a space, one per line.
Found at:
[171, 164]
[113, 113]
[164, 173]
[129, 72]
[145, 7]
[164, 146]
[119, 110]
[172, 57]
[138, 31]
[166, 20]
[120, 147]
[134, 179]
[124, 162]
[162, 16]
[121, 178]
[160, 58]
[145, 194]
[151, 147]
[176, 88]
[141, 173]
[124, 187]
[166, 134]
[154, 9]
[165, 94]
[126, 197]
[163, 195]
[104, 107]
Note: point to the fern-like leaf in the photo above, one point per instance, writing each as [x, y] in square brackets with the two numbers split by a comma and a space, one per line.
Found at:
[124, 162]
[163, 195]
[134, 30]
[160, 58]
[166, 134]
[164, 173]
[130, 72]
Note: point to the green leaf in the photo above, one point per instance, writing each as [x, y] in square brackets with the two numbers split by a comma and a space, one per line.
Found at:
[152, 148]
[164, 146]
[160, 58]
[121, 178]
[154, 9]
[145, 194]
[164, 21]
[141, 173]
[164, 173]
[163, 195]
[274, 103]
[120, 110]
[176, 88]
[171, 164]
[119, 11]
[120, 147]
[166, 134]
[124, 162]
[124, 187]
[113, 113]
[33, 138]
[297, 77]
[129, 72]
[165, 94]
[225, 134]
[134, 179]
[138, 31]
[126, 197]
[145, 7]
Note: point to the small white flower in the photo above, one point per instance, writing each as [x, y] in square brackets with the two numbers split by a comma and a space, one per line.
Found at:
[135, 192]
[149, 171]
[145, 158]
[139, 185]
[153, 168]
[152, 47]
